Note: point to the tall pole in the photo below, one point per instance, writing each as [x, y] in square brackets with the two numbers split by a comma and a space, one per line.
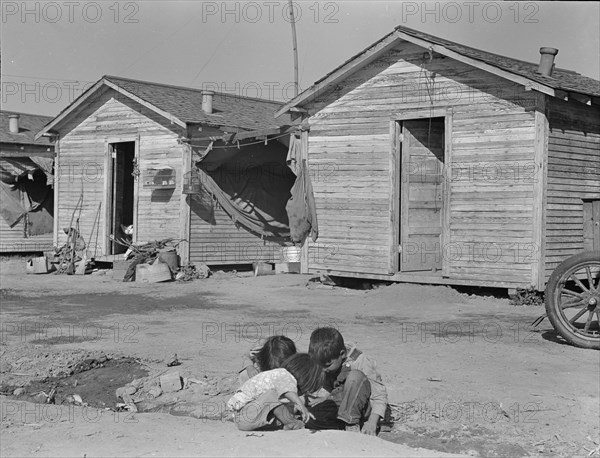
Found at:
[295, 46]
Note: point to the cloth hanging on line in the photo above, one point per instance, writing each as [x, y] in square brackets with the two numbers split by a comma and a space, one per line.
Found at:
[301, 209]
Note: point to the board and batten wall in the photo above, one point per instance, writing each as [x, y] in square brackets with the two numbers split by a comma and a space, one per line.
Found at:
[573, 176]
[490, 169]
[83, 158]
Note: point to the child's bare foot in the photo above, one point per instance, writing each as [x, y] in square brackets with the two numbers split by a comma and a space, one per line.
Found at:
[287, 418]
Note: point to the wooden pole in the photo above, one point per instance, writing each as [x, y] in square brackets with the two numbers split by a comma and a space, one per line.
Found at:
[295, 47]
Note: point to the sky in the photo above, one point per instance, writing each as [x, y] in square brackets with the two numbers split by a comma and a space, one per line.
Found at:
[52, 51]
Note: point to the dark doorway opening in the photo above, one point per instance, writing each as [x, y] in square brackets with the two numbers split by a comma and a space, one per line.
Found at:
[121, 193]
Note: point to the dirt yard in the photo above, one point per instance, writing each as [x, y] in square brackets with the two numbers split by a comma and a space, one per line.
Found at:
[466, 374]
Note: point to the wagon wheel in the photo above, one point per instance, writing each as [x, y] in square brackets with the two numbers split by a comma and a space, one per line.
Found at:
[573, 299]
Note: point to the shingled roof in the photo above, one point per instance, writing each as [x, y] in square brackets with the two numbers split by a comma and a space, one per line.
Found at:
[186, 104]
[561, 79]
[29, 125]
[183, 105]
[564, 81]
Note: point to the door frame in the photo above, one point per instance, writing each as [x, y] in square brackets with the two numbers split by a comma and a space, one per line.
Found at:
[396, 175]
[107, 194]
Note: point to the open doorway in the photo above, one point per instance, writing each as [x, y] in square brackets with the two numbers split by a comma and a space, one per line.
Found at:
[121, 193]
[421, 194]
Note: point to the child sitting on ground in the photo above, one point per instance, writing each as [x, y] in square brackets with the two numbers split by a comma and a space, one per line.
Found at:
[352, 380]
[271, 355]
[264, 398]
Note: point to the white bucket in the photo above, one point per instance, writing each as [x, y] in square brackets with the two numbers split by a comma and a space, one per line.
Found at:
[291, 254]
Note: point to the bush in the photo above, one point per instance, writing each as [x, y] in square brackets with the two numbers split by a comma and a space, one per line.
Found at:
[528, 296]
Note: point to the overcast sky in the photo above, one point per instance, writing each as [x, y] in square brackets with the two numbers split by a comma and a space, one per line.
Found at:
[51, 51]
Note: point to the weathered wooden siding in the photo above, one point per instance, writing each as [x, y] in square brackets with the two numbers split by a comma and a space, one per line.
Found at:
[573, 175]
[12, 240]
[224, 243]
[491, 170]
[82, 160]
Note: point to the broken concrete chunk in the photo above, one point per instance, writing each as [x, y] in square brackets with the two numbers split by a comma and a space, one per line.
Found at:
[155, 391]
[130, 389]
[137, 383]
[126, 390]
[171, 382]
[19, 391]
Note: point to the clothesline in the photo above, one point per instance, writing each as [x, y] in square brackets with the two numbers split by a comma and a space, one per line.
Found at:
[238, 143]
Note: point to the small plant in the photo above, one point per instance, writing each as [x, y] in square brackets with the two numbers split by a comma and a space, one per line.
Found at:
[528, 296]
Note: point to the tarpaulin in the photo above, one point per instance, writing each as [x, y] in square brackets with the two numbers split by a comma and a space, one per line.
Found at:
[25, 191]
[251, 183]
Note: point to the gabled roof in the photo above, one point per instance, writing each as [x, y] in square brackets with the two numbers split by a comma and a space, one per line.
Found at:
[182, 105]
[559, 84]
[29, 125]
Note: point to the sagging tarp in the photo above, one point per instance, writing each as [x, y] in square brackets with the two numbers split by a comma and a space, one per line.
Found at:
[264, 188]
[26, 191]
[252, 185]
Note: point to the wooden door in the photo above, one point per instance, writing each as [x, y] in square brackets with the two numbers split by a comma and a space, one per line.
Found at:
[421, 195]
[591, 225]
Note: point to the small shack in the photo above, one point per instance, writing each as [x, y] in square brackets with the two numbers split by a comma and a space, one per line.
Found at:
[26, 181]
[434, 162]
[156, 161]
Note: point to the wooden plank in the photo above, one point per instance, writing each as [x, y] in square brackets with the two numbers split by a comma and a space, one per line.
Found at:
[394, 204]
[539, 188]
[184, 208]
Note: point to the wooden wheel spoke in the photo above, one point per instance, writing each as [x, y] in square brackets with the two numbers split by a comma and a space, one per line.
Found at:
[581, 285]
[575, 303]
[577, 315]
[588, 271]
[568, 292]
[597, 287]
[588, 322]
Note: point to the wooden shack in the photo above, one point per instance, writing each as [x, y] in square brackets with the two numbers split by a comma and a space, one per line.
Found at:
[26, 168]
[124, 150]
[433, 162]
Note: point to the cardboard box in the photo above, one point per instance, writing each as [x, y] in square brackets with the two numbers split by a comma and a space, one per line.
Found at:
[153, 273]
[39, 265]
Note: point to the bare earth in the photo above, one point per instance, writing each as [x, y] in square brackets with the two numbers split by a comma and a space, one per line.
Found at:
[466, 374]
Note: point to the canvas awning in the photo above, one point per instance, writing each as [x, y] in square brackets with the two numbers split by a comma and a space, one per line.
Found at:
[25, 189]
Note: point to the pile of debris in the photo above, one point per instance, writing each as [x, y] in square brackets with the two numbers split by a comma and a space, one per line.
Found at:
[71, 258]
[158, 261]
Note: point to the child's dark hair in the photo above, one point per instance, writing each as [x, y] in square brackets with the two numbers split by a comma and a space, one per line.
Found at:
[307, 372]
[325, 345]
[274, 351]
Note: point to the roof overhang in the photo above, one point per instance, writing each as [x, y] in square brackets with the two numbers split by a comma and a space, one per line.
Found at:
[385, 44]
[102, 84]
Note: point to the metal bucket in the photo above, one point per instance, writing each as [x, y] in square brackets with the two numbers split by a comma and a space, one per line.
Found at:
[291, 254]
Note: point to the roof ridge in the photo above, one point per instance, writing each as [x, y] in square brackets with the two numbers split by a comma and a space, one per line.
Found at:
[416, 33]
[109, 77]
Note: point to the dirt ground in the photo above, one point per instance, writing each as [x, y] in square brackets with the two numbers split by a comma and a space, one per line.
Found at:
[466, 373]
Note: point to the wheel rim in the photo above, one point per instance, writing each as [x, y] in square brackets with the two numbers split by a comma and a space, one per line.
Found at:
[578, 299]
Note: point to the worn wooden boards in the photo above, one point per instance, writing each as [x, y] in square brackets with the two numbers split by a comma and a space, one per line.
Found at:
[489, 172]
[573, 180]
[85, 157]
